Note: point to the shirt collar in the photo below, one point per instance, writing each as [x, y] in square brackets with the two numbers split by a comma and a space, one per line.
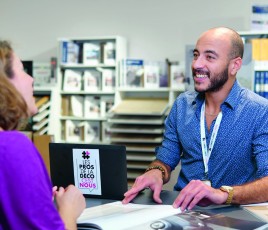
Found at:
[231, 100]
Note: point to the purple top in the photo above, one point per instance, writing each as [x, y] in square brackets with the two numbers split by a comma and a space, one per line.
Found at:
[25, 186]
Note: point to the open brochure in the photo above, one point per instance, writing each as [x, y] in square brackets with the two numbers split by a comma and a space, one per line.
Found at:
[116, 216]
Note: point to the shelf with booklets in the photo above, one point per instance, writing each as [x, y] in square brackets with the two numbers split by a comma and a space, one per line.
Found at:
[258, 42]
[147, 79]
[88, 70]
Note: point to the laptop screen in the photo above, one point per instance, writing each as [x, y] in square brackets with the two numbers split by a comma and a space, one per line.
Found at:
[97, 170]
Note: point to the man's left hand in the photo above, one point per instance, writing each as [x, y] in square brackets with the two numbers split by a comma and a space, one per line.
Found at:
[198, 193]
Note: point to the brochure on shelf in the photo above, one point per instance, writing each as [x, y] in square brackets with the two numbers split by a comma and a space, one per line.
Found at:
[177, 76]
[74, 131]
[77, 105]
[132, 71]
[69, 52]
[92, 131]
[92, 108]
[106, 104]
[109, 53]
[91, 53]
[72, 81]
[108, 79]
[151, 75]
[92, 80]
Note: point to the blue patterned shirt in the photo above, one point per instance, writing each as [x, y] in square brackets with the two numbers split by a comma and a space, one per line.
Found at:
[240, 152]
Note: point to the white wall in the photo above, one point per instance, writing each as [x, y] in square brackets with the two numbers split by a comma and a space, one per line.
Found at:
[155, 29]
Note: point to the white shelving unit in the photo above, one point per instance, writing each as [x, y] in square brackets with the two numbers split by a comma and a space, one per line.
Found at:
[88, 73]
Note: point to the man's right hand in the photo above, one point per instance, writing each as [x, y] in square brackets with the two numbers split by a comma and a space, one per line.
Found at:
[151, 179]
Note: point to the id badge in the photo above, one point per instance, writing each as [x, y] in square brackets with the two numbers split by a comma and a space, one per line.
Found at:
[207, 182]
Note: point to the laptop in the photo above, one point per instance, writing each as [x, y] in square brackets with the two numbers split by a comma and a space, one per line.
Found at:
[98, 170]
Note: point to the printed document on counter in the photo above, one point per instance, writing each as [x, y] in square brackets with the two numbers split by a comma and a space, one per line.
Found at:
[117, 216]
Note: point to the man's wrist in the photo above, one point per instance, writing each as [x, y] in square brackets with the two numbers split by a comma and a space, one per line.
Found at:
[159, 167]
[230, 191]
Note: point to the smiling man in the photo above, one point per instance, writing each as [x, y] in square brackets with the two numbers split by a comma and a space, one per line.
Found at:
[219, 133]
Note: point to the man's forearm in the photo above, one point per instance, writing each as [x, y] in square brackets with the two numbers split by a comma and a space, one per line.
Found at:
[165, 167]
[253, 192]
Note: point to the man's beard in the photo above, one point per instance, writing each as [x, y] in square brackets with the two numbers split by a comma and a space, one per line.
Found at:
[216, 82]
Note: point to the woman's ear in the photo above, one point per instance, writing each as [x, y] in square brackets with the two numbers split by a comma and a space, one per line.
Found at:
[235, 65]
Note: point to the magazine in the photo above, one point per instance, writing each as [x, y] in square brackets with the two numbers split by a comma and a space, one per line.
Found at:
[91, 54]
[151, 76]
[109, 53]
[92, 79]
[116, 216]
[72, 81]
[132, 73]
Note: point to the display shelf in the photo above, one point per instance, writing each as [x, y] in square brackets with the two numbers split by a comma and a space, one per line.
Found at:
[88, 73]
[139, 125]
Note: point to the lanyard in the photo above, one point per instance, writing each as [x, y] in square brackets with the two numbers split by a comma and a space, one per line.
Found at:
[206, 152]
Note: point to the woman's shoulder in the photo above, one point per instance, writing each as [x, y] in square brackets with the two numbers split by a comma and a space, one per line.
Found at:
[14, 139]
[16, 147]
[14, 134]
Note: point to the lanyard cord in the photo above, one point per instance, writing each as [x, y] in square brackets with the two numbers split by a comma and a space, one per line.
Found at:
[206, 152]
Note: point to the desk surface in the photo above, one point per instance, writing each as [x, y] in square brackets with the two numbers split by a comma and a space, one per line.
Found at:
[231, 213]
